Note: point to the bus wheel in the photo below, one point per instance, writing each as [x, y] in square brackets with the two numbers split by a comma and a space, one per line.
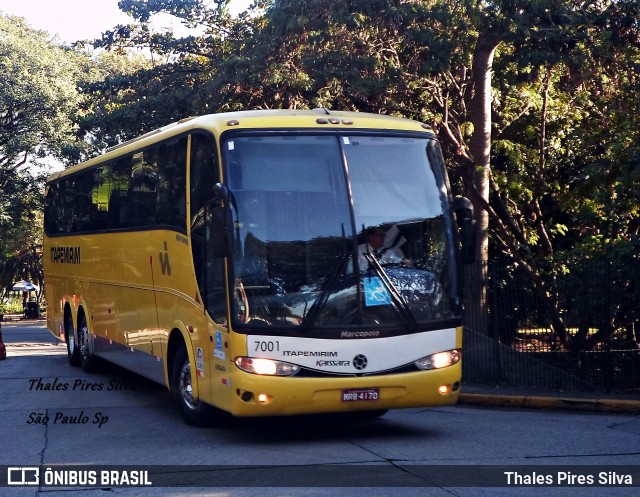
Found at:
[85, 346]
[73, 352]
[194, 412]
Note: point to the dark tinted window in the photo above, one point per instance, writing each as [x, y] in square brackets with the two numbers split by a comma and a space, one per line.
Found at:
[171, 197]
[209, 269]
[81, 214]
[145, 189]
[52, 208]
[143, 193]
[66, 209]
[100, 186]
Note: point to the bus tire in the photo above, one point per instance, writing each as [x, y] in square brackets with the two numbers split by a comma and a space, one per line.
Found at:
[194, 412]
[85, 345]
[73, 352]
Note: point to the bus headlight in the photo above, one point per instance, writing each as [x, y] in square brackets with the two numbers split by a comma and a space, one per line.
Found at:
[439, 360]
[266, 366]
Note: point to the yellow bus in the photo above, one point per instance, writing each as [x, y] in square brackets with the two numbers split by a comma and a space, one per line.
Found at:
[264, 263]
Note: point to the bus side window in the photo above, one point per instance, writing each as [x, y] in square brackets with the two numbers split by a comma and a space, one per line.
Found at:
[172, 195]
[82, 201]
[54, 208]
[99, 216]
[209, 270]
[119, 194]
[144, 182]
[67, 199]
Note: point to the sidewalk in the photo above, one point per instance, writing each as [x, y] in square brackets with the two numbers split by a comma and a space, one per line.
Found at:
[9, 319]
[494, 396]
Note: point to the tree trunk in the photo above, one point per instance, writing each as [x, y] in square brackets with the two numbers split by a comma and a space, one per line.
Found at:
[480, 143]
[477, 177]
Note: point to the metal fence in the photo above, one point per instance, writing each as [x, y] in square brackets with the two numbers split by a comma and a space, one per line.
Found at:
[580, 332]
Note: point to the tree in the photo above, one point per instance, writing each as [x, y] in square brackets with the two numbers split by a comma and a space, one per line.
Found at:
[37, 98]
[184, 77]
[558, 174]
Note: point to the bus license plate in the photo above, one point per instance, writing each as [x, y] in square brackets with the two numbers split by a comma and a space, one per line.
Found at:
[360, 395]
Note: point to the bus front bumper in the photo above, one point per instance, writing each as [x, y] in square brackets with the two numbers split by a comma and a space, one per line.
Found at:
[256, 395]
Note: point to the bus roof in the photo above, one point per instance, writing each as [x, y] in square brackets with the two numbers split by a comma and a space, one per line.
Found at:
[256, 119]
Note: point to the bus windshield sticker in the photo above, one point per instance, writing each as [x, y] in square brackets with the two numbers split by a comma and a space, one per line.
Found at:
[231, 145]
[345, 140]
[375, 293]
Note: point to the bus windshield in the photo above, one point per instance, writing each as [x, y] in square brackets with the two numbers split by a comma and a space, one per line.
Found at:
[337, 232]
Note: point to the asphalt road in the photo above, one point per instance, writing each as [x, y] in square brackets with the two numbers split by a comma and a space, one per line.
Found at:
[52, 414]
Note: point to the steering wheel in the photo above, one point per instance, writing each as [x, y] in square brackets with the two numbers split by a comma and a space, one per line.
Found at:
[242, 302]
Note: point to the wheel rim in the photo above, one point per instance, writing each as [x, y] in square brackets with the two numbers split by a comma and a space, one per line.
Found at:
[70, 338]
[186, 388]
[83, 337]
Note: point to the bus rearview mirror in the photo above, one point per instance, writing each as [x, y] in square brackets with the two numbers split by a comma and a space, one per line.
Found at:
[464, 209]
[220, 231]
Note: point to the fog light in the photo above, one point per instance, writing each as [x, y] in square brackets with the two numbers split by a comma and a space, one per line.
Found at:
[252, 398]
[263, 398]
[444, 389]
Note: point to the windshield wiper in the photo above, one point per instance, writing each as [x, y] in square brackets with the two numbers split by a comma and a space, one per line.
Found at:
[400, 304]
[325, 291]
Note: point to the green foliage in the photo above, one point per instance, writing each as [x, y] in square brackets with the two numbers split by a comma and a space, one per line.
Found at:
[38, 95]
[587, 179]
[35, 102]
[185, 76]
[38, 99]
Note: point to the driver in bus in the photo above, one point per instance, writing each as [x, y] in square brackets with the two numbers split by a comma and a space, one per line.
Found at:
[385, 247]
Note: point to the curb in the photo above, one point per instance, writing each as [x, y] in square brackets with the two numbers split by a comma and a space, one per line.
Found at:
[558, 403]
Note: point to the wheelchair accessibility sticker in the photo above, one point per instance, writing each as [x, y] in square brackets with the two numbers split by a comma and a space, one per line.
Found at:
[375, 293]
[218, 353]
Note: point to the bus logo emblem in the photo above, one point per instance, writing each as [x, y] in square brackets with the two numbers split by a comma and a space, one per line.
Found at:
[23, 475]
[164, 260]
[360, 362]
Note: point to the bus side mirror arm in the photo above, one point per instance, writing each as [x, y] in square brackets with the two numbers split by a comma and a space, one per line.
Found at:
[222, 192]
[464, 210]
[220, 227]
